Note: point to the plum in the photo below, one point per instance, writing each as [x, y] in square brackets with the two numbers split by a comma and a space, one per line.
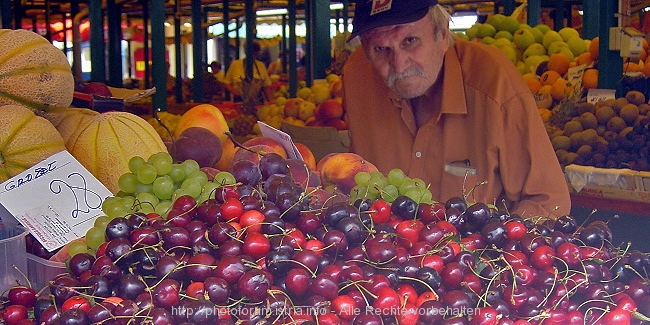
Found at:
[199, 144]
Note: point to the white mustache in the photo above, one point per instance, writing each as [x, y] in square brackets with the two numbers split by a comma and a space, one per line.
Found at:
[412, 71]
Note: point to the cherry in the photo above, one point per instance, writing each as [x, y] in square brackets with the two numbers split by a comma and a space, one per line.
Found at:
[76, 302]
[74, 316]
[404, 207]
[256, 244]
[14, 314]
[20, 295]
[345, 307]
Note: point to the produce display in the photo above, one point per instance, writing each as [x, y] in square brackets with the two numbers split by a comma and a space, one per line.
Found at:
[257, 245]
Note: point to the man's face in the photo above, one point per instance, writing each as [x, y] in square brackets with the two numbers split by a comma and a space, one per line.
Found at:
[408, 57]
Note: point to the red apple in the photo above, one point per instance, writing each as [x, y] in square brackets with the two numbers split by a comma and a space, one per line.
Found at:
[330, 109]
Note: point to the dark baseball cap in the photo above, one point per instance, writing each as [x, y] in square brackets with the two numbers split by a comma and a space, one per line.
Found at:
[371, 14]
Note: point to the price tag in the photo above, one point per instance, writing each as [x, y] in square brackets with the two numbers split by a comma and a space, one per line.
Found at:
[281, 137]
[596, 95]
[57, 200]
[574, 77]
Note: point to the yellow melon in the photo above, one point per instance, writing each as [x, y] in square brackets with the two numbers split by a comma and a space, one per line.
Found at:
[68, 120]
[25, 140]
[106, 142]
[33, 72]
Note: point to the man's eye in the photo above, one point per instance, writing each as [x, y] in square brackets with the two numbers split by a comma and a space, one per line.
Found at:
[381, 49]
[410, 40]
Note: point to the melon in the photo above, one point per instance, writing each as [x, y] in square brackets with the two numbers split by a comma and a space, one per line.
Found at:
[68, 120]
[106, 142]
[33, 72]
[25, 140]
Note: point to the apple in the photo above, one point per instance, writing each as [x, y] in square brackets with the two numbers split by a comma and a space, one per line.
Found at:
[321, 92]
[292, 107]
[206, 116]
[337, 123]
[306, 110]
[97, 88]
[337, 170]
[330, 109]
[336, 88]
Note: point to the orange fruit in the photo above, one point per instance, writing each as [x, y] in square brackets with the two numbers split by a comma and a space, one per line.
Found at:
[560, 89]
[590, 79]
[584, 58]
[545, 113]
[543, 97]
[644, 54]
[559, 62]
[631, 67]
[533, 84]
[593, 48]
[549, 77]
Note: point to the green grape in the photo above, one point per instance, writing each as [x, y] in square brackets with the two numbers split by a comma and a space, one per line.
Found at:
[113, 207]
[376, 182]
[143, 188]
[135, 162]
[419, 182]
[95, 236]
[357, 192]
[192, 186]
[77, 247]
[127, 182]
[407, 185]
[162, 161]
[163, 187]
[163, 207]
[208, 191]
[417, 194]
[146, 199]
[177, 173]
[146, 174]
[146, 208]
[180, 192]
[199, 176]
[389, 193]
[189, 166]
[224, 178]
[101, 221]
[362, 178]
[396, 177]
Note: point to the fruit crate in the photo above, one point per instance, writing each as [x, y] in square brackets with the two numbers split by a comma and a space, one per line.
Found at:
[613, 183]
[40, 271]
[321, 140]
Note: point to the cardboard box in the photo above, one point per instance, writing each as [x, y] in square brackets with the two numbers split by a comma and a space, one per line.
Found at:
[320, 140]
[622, 184]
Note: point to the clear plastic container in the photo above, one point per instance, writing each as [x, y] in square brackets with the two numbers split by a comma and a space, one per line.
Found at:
[13, 256]
[41, 271]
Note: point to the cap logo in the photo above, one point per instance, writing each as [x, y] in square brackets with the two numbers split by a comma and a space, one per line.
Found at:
[380, 6]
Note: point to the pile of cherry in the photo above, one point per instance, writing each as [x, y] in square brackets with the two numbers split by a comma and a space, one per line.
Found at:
[276, 253]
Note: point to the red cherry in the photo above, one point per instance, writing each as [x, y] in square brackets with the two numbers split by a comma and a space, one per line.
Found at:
[379, 211]
[232, 209]
[485, 316]
[515, 230]
[387, 302]
[408, 315]
[407, 294]
[195, 289]
[251, 221]
[256, 245]
[345, 307]
[25, 296]
[426, 296]
[76, 302]
[13, 314]
[409, 231]
[542, 257]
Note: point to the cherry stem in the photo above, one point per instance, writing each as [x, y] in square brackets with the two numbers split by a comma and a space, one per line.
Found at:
[436, 296]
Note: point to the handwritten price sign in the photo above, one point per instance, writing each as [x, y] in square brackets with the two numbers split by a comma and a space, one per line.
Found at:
[57, 200]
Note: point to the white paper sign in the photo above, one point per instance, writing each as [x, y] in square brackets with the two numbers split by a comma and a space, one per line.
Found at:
[57, 200]
[281, 137]
[596, 95]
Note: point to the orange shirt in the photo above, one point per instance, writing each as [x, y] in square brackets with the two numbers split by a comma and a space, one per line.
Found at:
[484, 114]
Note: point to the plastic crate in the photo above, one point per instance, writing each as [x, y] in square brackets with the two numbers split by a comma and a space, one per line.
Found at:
[40, 271]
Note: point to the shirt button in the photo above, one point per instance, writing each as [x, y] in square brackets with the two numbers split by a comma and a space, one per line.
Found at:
[418, 154]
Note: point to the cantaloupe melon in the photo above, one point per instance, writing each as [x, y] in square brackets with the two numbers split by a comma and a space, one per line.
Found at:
[33, 72]
[25, 140]
[106, 142]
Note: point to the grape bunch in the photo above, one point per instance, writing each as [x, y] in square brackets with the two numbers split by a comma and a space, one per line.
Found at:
[150, 188]
[376, 185]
